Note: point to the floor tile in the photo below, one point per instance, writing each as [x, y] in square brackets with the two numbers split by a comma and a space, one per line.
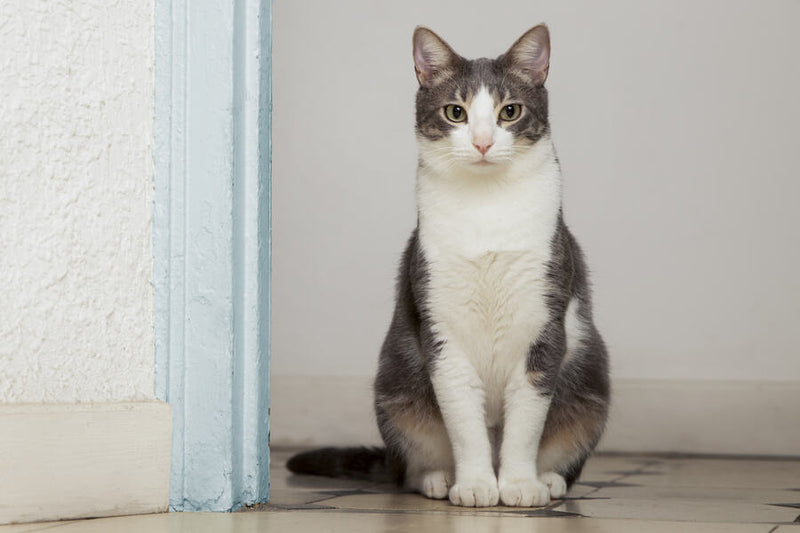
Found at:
[579, 490]
[619, 493]
[617, 486]
[613, 466]
[315, 521]
[32, 527]
[710, 494]
[289, 499]
[679, 509]
[781, 474]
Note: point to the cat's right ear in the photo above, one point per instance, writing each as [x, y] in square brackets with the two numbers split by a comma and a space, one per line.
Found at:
[433, 58]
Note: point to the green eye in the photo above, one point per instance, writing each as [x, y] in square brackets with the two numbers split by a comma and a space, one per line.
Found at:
[455, 113]
[510, 112]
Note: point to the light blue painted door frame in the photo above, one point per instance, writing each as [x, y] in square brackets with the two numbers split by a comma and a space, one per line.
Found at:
[211, 246]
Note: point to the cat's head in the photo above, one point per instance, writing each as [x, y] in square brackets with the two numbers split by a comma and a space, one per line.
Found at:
[480, 114]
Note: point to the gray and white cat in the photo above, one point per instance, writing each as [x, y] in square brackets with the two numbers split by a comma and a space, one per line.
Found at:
[493, 382]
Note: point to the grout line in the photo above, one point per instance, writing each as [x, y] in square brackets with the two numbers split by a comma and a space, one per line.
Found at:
[320, 500]
[589, 493]
[622, 476]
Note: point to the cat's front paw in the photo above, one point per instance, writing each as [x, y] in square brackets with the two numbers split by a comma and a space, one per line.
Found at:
[524, 493]
[475, 492]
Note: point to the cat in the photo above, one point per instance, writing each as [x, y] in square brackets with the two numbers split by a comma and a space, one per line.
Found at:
[493, 379]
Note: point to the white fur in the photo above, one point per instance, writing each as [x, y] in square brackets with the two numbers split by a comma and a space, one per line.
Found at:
[555, 483]
[482, 119]
[485, 231]
[524, 417]
[435, 484]
[460, 395]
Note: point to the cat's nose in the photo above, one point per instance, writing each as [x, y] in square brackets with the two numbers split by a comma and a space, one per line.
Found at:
[483, 146]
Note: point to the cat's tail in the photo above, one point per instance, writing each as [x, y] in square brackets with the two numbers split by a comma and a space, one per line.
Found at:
[362, 463]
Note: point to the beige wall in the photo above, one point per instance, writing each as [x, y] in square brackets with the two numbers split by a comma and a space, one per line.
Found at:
[677, 128]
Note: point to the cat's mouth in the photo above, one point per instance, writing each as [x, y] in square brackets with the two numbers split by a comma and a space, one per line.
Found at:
[483, 162]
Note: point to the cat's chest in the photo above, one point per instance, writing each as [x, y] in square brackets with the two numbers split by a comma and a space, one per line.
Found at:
[487, 278]
[491, 306]
[487, 258]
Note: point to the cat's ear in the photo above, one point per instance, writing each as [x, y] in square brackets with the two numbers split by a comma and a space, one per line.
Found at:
[529, 57]
[433, 58]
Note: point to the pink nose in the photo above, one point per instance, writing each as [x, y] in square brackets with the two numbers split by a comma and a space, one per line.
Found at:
[483, 147]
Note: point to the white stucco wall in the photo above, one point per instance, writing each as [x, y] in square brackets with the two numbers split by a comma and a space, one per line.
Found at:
[76, 302]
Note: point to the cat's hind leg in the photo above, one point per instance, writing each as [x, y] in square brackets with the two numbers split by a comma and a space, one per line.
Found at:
[555, 483]
[434, 484]
[421, 439]
[570, 435]
[429, 461]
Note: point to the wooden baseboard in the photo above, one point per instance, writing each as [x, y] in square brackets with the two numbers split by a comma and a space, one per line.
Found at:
[647, 416]
[83, 460]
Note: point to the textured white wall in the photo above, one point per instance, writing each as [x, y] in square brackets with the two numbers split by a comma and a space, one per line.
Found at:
[676, 125]
[76, 303]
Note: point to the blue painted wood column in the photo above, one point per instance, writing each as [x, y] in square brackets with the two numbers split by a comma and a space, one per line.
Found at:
[211, 239]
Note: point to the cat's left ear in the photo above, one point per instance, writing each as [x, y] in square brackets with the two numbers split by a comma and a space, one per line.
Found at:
[529, 57]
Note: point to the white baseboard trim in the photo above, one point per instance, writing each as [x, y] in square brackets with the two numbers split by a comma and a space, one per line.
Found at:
[647, 416]
[63, 461]
[705, 417]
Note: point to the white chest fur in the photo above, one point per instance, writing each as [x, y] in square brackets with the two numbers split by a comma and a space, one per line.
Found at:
[486, 240]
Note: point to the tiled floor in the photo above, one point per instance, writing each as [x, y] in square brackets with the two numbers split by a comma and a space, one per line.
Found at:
[615, 494]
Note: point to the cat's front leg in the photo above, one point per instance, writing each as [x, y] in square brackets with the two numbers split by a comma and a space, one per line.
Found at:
[527, 401]
[461, 397]
[525, 414]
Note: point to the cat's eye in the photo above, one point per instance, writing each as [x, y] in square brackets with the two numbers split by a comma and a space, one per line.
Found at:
[510, 112]
[455, 113]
